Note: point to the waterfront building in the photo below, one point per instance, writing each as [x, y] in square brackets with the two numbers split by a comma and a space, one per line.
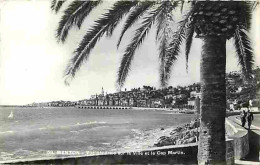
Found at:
[181, 96]
[141, 103]
[111, 101]
[124, 102]
[157, 103]
[168, 96]
[195, 94]
[116, 102]
[191, 101]
[101, 100]
[132, 102]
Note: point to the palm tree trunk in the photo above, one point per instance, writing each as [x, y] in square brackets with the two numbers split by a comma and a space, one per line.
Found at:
[212, 148]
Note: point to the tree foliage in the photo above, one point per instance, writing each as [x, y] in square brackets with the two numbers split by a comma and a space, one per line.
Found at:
[160, 15]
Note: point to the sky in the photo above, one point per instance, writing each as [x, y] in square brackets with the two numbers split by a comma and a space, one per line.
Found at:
[32, 62]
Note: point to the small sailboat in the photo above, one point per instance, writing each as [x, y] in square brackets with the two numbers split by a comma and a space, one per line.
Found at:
[11, 116]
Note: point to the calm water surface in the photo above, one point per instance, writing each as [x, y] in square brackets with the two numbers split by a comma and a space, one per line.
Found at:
[33, 132]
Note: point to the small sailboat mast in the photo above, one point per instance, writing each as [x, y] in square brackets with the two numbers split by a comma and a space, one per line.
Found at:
[11, 116]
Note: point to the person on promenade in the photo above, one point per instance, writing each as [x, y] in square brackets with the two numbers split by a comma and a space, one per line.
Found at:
[243, 118]
[250, 104]
[249, 118]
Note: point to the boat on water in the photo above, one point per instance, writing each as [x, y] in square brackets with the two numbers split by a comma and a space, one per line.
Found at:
[11, 115]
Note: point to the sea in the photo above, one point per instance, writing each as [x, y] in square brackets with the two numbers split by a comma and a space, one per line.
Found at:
[36, 132]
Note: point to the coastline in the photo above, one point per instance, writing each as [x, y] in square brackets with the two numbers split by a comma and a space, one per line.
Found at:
[145, 141]
[143, 137]
[184, 133]
[173, 110]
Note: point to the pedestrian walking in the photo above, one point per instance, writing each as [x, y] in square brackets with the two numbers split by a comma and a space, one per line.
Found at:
[243, 118]
[249, 118]
[250, 104]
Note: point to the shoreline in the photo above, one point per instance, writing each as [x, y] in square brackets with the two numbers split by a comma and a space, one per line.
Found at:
[145, 141]
[174, 110]
[140, 138]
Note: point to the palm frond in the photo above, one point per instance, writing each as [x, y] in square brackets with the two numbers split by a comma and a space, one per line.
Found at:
[165, 15]
[190, 28]
[53, 4]
[173, 51]
[164, 36]
[174, 47]
[246, 14]
[56, 5]
[137, 12]
[121, 14]
[74, 15]
[86, 11]
[182, 5]
[162, 47]
[138, 38]
[188, 42]
[244, 51]
[102, 25]
[254, 5]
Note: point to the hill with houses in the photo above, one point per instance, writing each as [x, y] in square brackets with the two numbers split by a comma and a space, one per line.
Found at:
[239, 92]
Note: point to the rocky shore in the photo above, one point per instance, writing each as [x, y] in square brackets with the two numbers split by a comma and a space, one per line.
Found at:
[184, 134]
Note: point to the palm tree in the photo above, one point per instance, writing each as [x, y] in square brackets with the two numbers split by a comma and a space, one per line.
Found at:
[213, 22]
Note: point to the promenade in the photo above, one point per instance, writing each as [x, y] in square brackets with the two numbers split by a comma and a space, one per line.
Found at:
[253, 158]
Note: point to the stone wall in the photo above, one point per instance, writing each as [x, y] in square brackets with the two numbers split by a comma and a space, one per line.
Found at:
[240, 138]
[241, 144]
[230, 152]
[230, 129]
[182, 154]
